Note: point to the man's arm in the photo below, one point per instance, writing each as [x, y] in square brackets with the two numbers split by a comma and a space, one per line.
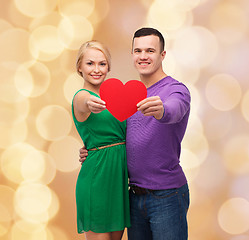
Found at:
[171, 110]
[83, 153]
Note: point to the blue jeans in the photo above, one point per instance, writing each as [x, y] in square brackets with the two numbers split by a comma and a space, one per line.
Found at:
[159, 215]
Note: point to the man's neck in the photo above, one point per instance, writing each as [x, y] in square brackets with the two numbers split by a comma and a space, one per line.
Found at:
[149, 80]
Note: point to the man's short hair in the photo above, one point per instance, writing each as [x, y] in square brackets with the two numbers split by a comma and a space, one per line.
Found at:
[147, 32]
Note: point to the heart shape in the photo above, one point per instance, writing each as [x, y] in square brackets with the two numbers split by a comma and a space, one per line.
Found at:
[121, 100]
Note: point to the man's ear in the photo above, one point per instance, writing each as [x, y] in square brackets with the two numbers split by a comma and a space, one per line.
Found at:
[163, 54]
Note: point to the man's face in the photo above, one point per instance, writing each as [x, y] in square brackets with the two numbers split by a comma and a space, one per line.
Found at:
[147, 55]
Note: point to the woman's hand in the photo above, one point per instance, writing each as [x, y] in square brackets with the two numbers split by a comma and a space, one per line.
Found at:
[95, 104]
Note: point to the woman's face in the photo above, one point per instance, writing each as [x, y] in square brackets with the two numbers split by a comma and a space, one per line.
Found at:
[94, 67]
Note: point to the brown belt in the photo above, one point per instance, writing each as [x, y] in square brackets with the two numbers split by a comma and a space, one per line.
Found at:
[139, 190]
[107, 146]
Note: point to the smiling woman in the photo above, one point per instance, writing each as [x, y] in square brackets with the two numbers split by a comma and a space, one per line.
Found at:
[102, 186]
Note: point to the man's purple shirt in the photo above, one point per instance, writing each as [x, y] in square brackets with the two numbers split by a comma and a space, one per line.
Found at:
[154, 146]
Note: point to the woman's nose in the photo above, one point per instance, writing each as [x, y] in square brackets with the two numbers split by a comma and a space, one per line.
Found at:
[96, 69]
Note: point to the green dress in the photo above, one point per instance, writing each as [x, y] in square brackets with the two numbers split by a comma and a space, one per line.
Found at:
[102, 197]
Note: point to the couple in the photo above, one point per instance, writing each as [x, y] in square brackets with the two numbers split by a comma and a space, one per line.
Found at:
[158, 200]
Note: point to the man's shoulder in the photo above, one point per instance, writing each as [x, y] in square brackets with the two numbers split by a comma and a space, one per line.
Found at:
[171, 83]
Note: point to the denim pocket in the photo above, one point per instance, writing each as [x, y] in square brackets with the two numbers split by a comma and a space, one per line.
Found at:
[160, 194]
[185, 198]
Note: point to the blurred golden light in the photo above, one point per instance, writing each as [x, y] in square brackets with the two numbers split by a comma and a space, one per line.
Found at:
[244, 106]
[195, 98]
[72, 84]
[181, 72]
[32, 79]
[239, 187]
[26, 230]
[52, 19]
[14, 16]
[6, 208]
[197, 143]
[186, 75]
[66, 153]
[166, 15]
[12, 133]
[32, 198]
[233, 216]
[8, 92]
[14, 46]
[194, 124]
[239, 237]
[43, 215]
[4, 26]
[13, 113]
[4, 225]
[185, 5]
[33, 166]
[211, 185]
[223, 92]
[189, 159]
[45, 44]
[57, 232]
[217, 124]
[53, 122]
[236, 154]
[54, 206]
[49, 171]
[76, 7]
[229, 22]
[23, 81]
[101, 10]
[11, 161]
[193, 152]
[192, 45]
[190, 164]
[194, 131]
[169, 64]
[198, 223]
[35, 8]
[75, 30]
[178, 4]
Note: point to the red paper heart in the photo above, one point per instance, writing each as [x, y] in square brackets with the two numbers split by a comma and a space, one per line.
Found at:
[121, 100]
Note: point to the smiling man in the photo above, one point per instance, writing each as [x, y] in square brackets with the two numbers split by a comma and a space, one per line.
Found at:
[159, 194]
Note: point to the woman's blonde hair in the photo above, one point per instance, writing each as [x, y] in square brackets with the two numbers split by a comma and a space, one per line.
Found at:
[96, 45]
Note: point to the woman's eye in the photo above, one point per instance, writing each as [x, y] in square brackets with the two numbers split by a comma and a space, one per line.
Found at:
[103, 64]
[89, 63]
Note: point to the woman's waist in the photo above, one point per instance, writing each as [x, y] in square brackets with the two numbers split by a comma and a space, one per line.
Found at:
[106, 145]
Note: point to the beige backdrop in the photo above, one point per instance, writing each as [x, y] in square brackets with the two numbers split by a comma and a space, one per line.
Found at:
[207, 44]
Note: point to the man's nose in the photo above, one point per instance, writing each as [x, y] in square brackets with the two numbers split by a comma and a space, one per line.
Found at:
[143, 55]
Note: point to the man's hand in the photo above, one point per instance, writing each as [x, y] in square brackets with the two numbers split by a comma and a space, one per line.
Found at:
[95, 104]
[83, 154]
[151, 106]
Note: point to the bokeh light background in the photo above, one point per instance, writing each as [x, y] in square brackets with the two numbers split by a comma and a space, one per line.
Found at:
[207, 44]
